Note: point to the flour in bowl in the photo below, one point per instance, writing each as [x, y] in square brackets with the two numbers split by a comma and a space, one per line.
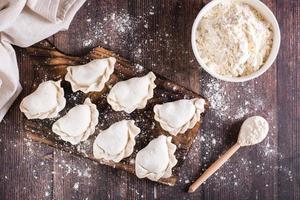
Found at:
[233, 39]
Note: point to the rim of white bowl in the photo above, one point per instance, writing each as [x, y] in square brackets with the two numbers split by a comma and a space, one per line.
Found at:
[266, 13]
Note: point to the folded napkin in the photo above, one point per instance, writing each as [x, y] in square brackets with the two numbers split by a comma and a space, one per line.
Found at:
[23, 23]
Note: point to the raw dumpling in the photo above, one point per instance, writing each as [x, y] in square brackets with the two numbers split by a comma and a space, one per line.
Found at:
[156, 160]
[132, 94]
[179, 116]
[78, 124]
[116, 142]
[91, 76]
[45, 102]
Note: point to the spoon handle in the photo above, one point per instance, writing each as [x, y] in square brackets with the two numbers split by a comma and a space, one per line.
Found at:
[214, 167]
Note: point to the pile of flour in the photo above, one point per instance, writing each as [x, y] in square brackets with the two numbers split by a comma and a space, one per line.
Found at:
[233, 39]
[253, 131]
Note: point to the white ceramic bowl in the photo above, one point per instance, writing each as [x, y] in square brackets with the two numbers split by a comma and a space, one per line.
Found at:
[266, 13]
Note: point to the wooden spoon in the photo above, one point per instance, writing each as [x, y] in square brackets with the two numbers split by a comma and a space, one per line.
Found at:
[253, 131]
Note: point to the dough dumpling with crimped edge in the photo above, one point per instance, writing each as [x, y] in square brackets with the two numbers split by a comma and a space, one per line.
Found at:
[78, 124]
[45, 102]
[156, 160]
[92, 76]
[116, 142]
[132, 94]
[179, 116]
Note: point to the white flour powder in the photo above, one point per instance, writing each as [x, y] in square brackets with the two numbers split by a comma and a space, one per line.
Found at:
[253, 131]
[234, 40]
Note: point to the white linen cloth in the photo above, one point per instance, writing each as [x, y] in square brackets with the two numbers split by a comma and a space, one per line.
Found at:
[23, 23]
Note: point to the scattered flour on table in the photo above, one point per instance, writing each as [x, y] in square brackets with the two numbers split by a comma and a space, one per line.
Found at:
[114, 24]
[115, 29]
[87, 42]
[47, 194]
[206, 146]
[76, 186]
[119, 24]
[216, 131]
[220, 98]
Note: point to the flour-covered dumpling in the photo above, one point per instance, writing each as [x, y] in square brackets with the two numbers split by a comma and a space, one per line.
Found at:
[78, 124]
[45, 102]
[179, 116]
[132, 94]
[92, 76]
[116, 142]
[156, 160]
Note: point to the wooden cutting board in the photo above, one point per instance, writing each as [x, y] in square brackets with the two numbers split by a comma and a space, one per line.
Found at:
[50, 64]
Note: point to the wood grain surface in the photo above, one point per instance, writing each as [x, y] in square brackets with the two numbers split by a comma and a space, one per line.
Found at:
[156, 34]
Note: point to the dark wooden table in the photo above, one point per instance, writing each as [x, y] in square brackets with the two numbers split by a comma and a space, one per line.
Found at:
[156, 34]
